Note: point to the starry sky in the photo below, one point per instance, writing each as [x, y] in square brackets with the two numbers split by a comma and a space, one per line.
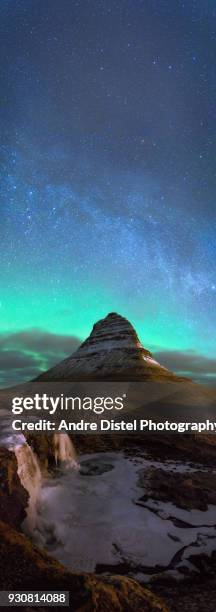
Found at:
[108, 176]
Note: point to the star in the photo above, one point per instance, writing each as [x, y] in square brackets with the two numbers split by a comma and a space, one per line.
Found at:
[108, 169]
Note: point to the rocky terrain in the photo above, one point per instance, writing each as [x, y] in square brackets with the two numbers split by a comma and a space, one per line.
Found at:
[175, 489]
[25, 566]
[13, 496]
[187, 490]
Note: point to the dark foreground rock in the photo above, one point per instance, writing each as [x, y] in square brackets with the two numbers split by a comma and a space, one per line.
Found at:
[13, 496]
[186, 490]
[198, 449]
[190, 597]
[24, 566]
[43, 446]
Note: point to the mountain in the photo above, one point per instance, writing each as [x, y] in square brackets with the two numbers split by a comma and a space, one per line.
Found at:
[112, 352]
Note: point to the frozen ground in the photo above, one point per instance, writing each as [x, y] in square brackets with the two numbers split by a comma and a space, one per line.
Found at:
[92, 519]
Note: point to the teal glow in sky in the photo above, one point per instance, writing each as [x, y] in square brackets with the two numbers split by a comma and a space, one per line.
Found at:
[107, 176]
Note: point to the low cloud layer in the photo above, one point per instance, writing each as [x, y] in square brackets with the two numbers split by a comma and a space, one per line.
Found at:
[26, 354]
[201, 369]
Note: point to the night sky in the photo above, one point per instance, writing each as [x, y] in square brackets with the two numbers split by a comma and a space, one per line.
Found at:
[108, 176]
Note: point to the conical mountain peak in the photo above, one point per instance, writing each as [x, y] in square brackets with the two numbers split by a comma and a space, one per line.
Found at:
[112, 352]
[112, 332]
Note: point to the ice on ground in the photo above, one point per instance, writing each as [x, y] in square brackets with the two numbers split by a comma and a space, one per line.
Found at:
[87, 520]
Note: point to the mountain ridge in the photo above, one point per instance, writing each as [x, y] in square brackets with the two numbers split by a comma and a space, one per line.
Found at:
[112, 352]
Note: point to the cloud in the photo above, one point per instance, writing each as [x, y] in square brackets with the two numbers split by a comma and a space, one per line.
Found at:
[23, 355]
[15, 360]
[39, 340]
[189, 363]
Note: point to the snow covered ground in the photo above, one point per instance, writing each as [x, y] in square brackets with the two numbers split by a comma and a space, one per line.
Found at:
[92, 519]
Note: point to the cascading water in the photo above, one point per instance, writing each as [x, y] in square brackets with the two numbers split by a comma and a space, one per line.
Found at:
[29, 470]
[28, 467]
[30, 473]
[30, 476]
[64, 451]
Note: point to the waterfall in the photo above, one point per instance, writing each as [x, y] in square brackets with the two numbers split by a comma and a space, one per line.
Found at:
[64, 451]
[29, 470]
[31, 478]
[30, 474]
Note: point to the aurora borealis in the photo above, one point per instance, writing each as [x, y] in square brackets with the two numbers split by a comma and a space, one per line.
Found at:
[108, 176]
